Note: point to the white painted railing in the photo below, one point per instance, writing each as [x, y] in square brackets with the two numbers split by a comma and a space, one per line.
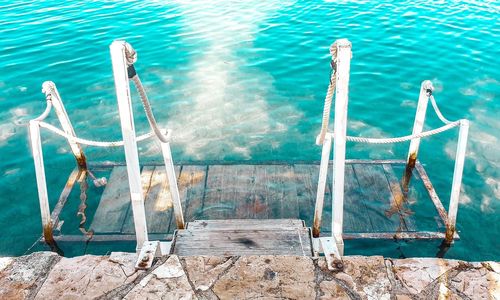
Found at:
[120, 70]
[341, 55]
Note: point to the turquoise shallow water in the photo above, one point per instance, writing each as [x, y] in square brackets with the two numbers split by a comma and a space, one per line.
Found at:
[246, 81]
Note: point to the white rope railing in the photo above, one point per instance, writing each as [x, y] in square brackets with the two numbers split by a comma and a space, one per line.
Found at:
[448, 125]
[437, 111]
[403, 138]
[45, 113]
[97, 143]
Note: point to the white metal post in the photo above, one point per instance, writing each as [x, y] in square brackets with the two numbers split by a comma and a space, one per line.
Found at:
[320, 195]
[43, 197]
[344, 55]
[457, 180]
[418, 125]
[172, 183]
[50, 90]
[119, 61]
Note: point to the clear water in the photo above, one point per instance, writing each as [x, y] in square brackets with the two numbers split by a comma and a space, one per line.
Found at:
[246, 80]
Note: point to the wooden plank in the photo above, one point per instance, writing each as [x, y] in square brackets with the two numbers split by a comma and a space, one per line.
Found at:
[192, 180]
[261, 209]
[220, 181]
[115, 200]
[243, 242]
[399, 203]
[306, 179]
[239, 224]
[376, 195]
[157, 201]
[247, 192]
[356, 213]
[146, 174]
[282, 192]
[235, 191]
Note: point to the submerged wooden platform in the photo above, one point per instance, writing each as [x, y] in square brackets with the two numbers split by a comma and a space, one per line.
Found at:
[374, 200]
[375, 204]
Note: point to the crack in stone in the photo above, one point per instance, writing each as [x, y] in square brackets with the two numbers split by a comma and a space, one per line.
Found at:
[233, 259]
[41, 280]
[397, 287]
[209, 293]
[90, 278]
[352, 294]
[122, 291]
[330, 277]
[318, 278]
[432, 289]
[198, 293]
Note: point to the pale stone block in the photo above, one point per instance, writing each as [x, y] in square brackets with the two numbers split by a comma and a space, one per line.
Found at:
[84, 277]
[290, 277]
[22, 277]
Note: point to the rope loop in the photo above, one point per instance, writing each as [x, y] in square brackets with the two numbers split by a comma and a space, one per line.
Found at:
[130, 54]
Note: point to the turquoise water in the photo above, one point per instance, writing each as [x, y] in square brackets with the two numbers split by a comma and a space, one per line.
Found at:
[246, 81]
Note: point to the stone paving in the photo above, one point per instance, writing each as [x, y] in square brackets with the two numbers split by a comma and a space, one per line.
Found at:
[45, 275]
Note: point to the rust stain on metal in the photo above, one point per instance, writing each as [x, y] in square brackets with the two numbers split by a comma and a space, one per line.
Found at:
[316, 226]
[179, 221]
[337, 264]
[81, 160]
[83, 205]
[48, 237]
[48, 234]
[450, 233]
[405, 182]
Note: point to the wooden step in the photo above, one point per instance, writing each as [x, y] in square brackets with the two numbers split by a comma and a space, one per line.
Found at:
[243, 237]
[239, 224]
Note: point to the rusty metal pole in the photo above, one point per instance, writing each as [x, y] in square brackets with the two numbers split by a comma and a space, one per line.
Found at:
[52, 94]
[426, 89]
[41, 182]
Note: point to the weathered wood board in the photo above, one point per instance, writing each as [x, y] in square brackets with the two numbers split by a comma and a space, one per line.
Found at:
[157, 201]
[244, 237]
[114, 204]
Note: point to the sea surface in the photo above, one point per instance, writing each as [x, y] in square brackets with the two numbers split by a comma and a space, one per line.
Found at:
[245, 80]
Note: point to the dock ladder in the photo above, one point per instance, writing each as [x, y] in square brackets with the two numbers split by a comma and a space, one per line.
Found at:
[333, 246]
[286, 235]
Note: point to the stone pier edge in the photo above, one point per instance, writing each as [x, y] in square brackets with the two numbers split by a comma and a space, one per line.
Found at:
[45, 275]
